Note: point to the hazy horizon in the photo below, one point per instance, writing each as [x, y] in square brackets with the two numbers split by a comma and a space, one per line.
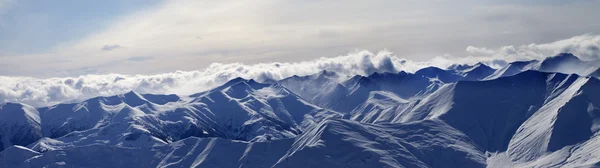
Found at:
[50, 39]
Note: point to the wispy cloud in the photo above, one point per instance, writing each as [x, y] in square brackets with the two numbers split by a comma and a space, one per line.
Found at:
[111, 47]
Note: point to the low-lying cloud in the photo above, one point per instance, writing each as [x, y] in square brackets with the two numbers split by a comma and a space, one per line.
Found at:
[44, 92]
[586, 47]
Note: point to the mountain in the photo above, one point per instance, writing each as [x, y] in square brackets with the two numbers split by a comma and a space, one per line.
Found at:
[513, 69]
[323, 89]
[523, 115]
[19, 125]
[328, 90]
[456, 73]
[596, 73]
[240, 110]
[331, 143]
[476, 72]
[562, 63]
[437, 74]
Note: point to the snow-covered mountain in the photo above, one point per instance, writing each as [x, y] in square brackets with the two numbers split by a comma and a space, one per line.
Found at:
[562, 63]
[19, 125]
[526, 114]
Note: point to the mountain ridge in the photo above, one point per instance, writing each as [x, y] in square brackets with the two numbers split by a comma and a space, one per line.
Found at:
[464, 116]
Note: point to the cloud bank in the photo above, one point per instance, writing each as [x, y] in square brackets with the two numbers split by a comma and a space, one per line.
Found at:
[586, 47]
[44, 92]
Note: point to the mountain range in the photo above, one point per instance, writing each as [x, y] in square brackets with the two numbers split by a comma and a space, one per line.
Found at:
[539, 113]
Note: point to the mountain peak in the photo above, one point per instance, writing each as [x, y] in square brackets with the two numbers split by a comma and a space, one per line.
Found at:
[131, 94]
[562, 57]
[18, 112]
[460, 67]
[235, 80]
[133, 99]
[11, 105]
[328, 73]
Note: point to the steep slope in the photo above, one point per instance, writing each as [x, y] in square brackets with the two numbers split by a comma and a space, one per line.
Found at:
[489, 112]
[19, 125]
[343, 143]
[513, 69]
[380, 107]
[263, 110]
[189, 152]
[240, 110]
[571, 117]
[323, 89]
[330, 143]
[403, 84]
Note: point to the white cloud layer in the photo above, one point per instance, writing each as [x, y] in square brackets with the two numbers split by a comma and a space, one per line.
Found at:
[44, 92]
[586, 47]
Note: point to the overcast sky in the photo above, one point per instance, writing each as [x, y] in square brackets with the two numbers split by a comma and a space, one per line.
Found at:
[77, 37]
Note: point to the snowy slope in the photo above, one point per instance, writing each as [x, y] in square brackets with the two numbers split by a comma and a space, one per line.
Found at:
[331, 143]
[19, 125]
[240, 110]
[328, 91]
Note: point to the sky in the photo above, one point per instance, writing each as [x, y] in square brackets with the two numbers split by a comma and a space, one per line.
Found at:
[69, 38]
[71, 50]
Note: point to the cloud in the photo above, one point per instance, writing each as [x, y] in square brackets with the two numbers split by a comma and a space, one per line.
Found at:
[111, 47]
[586, 47]
[271, 30]
[44, 92]
[479, 51]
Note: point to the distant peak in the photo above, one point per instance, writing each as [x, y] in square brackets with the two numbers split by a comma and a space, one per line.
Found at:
[481, 66]
[387, 74]
[563, 57]
[130, 93]
[234, 81]
[459, 66]
[523, 63]
[237, 79]
[359, 80]
[430, 69]
[251, 81]
[326, 73]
